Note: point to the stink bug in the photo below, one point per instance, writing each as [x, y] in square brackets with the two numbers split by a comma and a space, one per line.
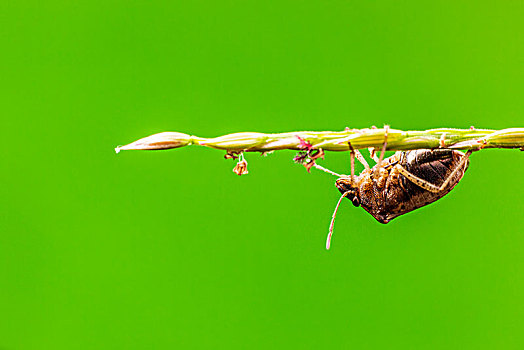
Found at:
[401, 183]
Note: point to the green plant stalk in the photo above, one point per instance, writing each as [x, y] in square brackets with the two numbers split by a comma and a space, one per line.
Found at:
[397, 140]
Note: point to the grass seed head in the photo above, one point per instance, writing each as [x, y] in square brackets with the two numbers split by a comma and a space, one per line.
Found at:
[164, 140]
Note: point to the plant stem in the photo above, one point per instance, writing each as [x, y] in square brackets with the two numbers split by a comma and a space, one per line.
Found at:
[397, 140]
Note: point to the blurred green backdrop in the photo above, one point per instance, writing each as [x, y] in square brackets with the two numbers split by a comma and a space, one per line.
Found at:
[171, 250]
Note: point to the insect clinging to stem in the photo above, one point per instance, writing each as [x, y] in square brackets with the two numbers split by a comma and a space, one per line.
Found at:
[401, 183]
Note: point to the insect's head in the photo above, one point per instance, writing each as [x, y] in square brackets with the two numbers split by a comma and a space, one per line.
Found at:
[346, 186]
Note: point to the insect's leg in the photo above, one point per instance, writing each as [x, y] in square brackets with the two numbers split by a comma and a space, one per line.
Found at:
[457, 168]
[307, 159]
[373, 154]
[360, 157]
[352, 154]
[373, 150]
[352, 162]
[379, 162]
[319, 167]
[417, 180]
[427, 185]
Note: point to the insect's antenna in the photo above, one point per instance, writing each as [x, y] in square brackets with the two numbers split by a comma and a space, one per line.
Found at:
[332, 224]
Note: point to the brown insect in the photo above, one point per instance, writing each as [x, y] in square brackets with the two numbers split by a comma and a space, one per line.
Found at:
[401, 183]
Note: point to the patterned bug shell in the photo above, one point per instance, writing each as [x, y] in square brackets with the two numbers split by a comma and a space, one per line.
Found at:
[391, 194]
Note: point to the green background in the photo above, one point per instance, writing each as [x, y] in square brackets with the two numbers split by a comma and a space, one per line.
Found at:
[165, 250]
